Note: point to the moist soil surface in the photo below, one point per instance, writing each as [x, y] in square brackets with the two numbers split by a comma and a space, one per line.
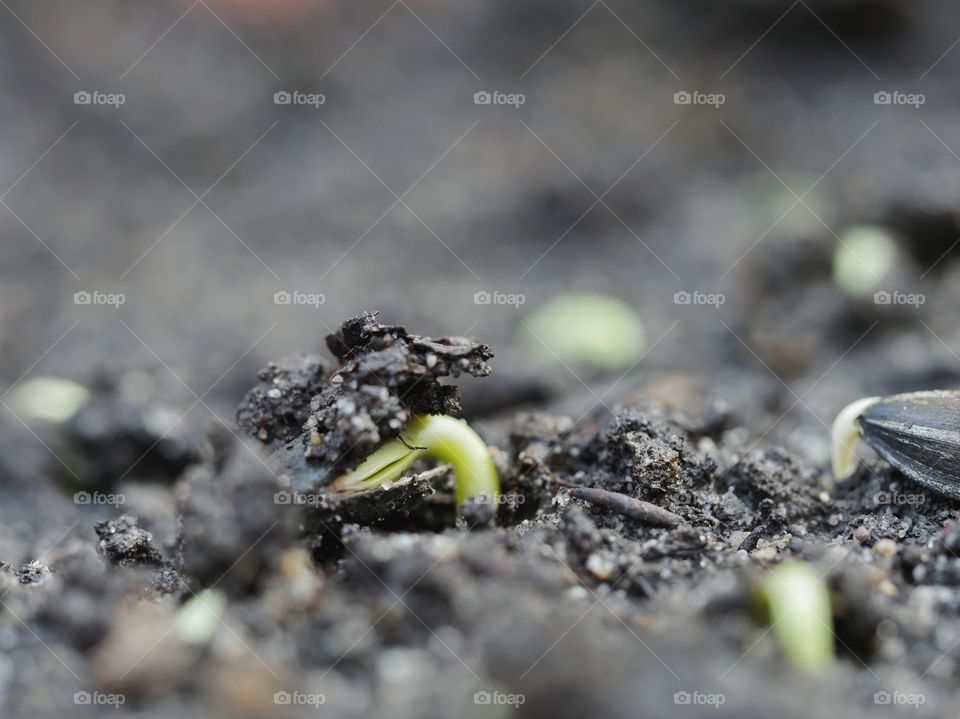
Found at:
[620, 567]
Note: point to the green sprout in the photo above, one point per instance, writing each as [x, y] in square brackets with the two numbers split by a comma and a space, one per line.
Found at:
[51, 399]
[797, 603]
[865, 256]
[591, 328]
[199, 618]
[435, 436]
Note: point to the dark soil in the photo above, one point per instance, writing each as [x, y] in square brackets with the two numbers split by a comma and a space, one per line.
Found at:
[206, 571]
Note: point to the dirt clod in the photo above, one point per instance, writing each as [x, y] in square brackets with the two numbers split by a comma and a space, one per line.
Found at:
[123, 542]
[386, 375]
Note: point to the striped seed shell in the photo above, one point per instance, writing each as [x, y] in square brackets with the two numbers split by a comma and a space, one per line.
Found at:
[919, 434]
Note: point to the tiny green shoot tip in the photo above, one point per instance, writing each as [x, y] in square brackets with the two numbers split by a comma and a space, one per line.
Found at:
[433, 436]
[797, 602]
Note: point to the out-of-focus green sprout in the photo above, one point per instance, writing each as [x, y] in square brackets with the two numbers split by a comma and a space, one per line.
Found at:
[585, 327]
[51, 399]
[439, 437]
[797, 604]
[865, 256]
[200, 617]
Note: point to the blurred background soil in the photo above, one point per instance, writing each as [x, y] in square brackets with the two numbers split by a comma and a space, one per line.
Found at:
[200, 198]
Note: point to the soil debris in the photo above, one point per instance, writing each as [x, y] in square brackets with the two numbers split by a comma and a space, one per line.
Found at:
[33, 573]
[232, 527]
[637, 509]
[118, 434]
[276, 409]
[386, 375]
[123, 542]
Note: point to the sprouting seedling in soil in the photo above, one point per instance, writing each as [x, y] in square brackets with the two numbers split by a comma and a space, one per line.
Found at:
[865, 255]
[797, 606]
[199, 618]
[918, 433]
[51, 399]
[434, 436]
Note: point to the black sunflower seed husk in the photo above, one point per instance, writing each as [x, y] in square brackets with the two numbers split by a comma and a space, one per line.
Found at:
[919, 434]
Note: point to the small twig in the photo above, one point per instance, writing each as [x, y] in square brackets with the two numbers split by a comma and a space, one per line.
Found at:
[627, 506]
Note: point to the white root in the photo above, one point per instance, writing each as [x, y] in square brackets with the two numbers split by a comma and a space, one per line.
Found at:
[844, 435]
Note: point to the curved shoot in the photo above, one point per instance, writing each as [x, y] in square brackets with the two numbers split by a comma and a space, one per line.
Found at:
[439, 437]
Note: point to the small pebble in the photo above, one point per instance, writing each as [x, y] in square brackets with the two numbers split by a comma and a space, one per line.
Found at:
[600, 567]
[888, 588]
[36, 572]
[765, 554]
[885, 548]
